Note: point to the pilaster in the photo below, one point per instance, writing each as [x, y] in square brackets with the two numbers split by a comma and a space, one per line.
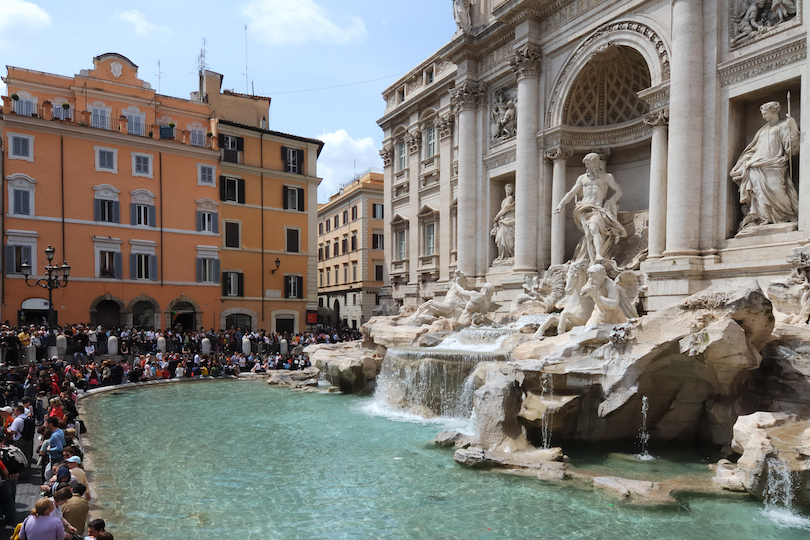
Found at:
[658, 182]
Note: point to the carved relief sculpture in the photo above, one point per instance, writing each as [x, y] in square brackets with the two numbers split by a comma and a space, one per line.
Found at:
[504, 117]
[763, 171]
[461, 12]
[759, 16]
[504, 227]
[594, 213]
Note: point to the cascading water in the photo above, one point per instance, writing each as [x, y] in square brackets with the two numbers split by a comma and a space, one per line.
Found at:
[779, 493]
[643, 433]
[429, 382]
[476, 340]
[547, 396]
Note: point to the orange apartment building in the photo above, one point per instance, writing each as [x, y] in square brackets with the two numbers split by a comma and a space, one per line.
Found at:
[351, 252]
[127, 186]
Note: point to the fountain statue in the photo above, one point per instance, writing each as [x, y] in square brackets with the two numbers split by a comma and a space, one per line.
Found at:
[504, 227]
[767, 192]
[452, 307]
[477, 307]
[577, 308]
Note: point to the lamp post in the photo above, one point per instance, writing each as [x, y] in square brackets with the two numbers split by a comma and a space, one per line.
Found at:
[51, 281]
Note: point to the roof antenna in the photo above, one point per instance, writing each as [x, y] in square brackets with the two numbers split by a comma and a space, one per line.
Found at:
[247, 88]
[160, 76]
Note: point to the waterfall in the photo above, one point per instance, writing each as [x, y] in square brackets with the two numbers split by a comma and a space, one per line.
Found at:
[547, 395]
[476, 340]
[429, 382]
[643, 433]
[779, 488]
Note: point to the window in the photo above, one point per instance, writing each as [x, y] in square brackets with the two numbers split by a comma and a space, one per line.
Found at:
[136, 125]
[430, 238]
[377, 241]
[320, 228]
[430, 147]
[400, 253]
[107, 160]
[354, 270]
[328, 278]
[109, 264]
[207, 270]
[205, 175]
[106, 210]
[99, 118]
[320, 252]
[337, 281]
[402, 156]
[143, 215]
[22, 147]
[336, 247]
[142, 165]
[336, 222]
[345, 217]
[293, 160]
[345, 273]
[429, 75]
[401, 95]
[354, 303]
[326, 251]
[354, 241]
[143, 266]
[378, 273]
[344, 245]
[233, 284]
[25, 107]
[293, 241]
[232, 189]
[21, 202]
[197, 137]
[354, 213]
[328, 225]
[294, 287]
[16, 256]
[232, 236]
[294, 199]
[320, 284]
[379, 211]
[230, 147]
[60, 112]
[207, 221]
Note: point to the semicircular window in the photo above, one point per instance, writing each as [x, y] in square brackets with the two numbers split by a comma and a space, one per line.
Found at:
[605, 91]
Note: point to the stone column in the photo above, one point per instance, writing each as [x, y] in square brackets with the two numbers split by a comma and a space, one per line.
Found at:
[658, 183]
[804, 156]
[559, 157]
[444, 130]
[685, 163]
[465, 99]
[526, 65]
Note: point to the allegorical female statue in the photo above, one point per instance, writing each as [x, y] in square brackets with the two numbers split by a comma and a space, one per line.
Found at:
[767, 192]
[504, 226]
[461, 12]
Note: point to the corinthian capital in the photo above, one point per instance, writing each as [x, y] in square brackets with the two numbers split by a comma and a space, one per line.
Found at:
[657, 118]
[468, 95]
[526, 62]
[387, 154]
[445, 126]
[559, 152]
[414, 141]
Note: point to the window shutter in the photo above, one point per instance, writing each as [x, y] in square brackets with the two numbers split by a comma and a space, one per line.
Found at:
[152, 216]
[26, 258]
[199, 221]
[301, 205]
[118, 263]
[284, 166]
[240, 284]
[133, 266]
[215, 222]
[222, 190]
[26, 202]
[216, 270]
[18, 201]
[11, 264]
[286, 198]
[16, 146]
[199, 269]
[300, 158]
[153, 269]
[96, 209]
[287, 286]
[133, 214]
[221, 140]
[225, 290]
[300, 280]
[241, 195]
[240, 144]
[116, 212]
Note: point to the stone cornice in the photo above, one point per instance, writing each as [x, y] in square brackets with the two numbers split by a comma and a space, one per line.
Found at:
[658, 118]
[739, 70]
[657, 97]
[586, 139]
[500, 159]
[559, 152]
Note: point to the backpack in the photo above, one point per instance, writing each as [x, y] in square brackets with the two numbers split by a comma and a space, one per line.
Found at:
[29, 429]
[13, 459]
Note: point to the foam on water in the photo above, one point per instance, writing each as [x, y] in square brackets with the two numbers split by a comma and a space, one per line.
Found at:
[375, 408]
[786, 518]
[475, 339]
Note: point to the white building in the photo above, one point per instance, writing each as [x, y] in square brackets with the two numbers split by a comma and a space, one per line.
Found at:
[668, 91]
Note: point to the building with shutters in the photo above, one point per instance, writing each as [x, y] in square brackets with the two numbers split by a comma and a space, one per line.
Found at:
[351, 252]
[127, 186]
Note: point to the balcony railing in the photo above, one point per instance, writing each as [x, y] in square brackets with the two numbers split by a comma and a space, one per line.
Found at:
[136, 128]
[24, 107]
[60, 113]
[197, 138]
[101, 122]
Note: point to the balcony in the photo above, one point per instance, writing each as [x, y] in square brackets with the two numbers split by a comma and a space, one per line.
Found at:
[399, 268]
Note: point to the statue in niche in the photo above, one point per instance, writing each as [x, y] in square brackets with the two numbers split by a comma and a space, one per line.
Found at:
[461, 12]
[504, 118]
[451, 308]
[595, 214]
[504, 227]
[767, 192]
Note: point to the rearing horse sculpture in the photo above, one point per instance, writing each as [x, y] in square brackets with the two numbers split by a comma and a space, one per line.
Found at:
[577, 309]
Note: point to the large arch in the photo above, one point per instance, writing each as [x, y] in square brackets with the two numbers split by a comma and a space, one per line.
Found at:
[254, 317]
[94, 308]
[178, 302]
[640, 35]
[128, 313]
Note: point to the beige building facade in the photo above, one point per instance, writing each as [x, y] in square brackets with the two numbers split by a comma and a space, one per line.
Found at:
[667, 92]
[351, 252]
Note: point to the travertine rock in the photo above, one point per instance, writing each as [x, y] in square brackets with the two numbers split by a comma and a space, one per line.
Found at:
[727, 477]
[349, 366]
[625, 487]
[452, 438]
[296, 379]
[497, 404]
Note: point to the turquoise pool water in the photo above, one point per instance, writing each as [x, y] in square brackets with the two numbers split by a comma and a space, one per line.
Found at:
[246, 461]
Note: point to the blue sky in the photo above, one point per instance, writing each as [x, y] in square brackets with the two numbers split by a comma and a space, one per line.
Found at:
[324, 62]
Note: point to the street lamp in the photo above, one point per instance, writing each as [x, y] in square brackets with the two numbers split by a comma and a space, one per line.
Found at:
[278, 263]
[51, 281]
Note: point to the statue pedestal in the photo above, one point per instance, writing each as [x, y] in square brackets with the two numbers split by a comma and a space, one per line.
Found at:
[508, 283]
[764, 230]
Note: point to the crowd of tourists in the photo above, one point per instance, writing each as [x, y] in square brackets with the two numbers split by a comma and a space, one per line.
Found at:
[41, 422]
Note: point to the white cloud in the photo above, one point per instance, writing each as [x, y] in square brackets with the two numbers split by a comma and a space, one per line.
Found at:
[14, 13]
[139, 22]
[280, 22]
[336, 165]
